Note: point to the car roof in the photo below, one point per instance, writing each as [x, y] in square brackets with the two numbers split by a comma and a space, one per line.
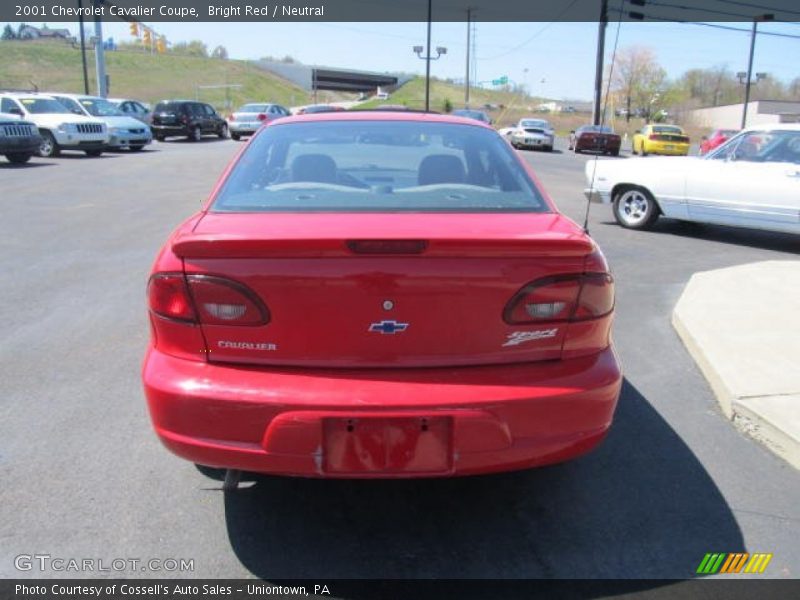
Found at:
[379, 115]
[27, 95]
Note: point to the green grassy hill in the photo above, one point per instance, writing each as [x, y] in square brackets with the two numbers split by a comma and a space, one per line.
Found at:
[54, 66]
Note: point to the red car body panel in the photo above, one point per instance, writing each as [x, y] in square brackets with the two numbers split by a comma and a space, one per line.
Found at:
[598, 142]
[314, 390]
[717, 138]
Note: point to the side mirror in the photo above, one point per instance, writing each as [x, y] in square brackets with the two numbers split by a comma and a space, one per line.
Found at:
[16, 111]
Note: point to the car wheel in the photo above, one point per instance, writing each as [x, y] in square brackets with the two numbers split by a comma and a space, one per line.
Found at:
[548, 148]
[644, 152]
[633, 149]
[235, 137]
[635, 208]
[195, 134]
[18, 158]
[137, 148]
[615, 153]
[160, 138]
[49, 147]
[577, 150]
[93, 153]
[223, 132]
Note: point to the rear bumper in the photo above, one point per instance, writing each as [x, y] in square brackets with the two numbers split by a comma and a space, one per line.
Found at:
[169, 130]
[667, 148]
[243, 128]
[494, 418]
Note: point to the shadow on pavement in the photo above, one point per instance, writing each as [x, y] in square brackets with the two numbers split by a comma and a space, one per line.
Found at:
[739, 236]
[640, 506]
[28, 165]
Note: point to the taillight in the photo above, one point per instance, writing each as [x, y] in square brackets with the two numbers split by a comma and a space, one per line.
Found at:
[220, 301]
[206, 299]
[261, 117]
[230, 117]
[562, 298]
[168, 296]
[654, 137]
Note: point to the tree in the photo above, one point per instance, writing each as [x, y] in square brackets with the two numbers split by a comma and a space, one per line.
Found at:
[193, 48]
[794, 89]
[637, 79]
[220, 52]
[9, 33]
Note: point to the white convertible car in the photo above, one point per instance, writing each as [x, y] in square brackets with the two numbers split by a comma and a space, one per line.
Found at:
[753, 180]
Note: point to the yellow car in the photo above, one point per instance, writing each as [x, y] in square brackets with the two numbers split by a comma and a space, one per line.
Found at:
[661, 139]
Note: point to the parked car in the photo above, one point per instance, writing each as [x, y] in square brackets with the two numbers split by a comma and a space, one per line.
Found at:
[250, 117]
[59, 127]
[318, 108]
[464, 326]
[19, 140]
[478, 115]
[660, 139]
[717, 138]
[595, 138]
[133, 108]
[124, 133]
[186, 118]
[533, 133]
[752, 180]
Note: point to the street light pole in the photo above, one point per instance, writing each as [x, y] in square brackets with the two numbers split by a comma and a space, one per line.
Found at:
[83, 49]
[428, 62]
[466, 79]
[601, 48]
[750, 64]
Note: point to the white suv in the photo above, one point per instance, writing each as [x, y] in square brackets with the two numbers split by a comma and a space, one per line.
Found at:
[60, 129]
[124, 131]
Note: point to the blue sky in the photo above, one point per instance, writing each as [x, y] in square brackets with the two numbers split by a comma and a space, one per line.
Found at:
[561, 54]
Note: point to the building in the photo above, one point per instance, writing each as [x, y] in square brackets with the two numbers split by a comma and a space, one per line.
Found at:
[29, 32]
[759, 112]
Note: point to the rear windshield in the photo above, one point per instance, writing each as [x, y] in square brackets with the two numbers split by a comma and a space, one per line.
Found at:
[168, 107]
[534, 123]
[254, 108]
[596, 129]
[378, 166]
[668, 129]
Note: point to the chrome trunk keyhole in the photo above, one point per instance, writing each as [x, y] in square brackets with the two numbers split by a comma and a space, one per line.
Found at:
[388, 305]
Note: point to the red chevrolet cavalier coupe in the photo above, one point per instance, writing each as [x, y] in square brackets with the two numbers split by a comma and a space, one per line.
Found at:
[380, 294]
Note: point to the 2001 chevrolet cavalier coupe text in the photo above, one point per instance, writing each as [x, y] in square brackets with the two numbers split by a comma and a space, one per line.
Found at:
[380, 294]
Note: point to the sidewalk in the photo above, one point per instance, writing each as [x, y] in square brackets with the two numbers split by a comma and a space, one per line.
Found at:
[742, 327]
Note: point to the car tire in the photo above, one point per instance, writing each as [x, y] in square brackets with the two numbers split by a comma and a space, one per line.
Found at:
[49, 148]
[635, 208]
[577, 150]
[614, 153]
[93, 153]
[644, 152]
[137, 148]
[235, 137]
[548, 148]
[160, 138]
[223, 132]
[18, 158]
[195, 134]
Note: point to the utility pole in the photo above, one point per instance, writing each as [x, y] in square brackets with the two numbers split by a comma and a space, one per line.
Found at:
[466, 79]
[601, 48]
[83, 49]
[750, 64]
[428, 62]
[99, 54]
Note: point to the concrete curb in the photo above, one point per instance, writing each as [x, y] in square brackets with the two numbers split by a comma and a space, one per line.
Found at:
[741, 325]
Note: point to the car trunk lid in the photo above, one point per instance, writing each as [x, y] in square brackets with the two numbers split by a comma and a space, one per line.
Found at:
[375, 290]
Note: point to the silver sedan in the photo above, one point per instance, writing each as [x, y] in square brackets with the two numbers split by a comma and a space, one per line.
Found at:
[250, 117]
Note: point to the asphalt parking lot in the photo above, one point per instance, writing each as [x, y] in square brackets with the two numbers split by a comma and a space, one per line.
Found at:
[84, 476]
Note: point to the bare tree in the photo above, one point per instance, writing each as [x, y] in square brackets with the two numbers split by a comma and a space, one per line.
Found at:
[220, 52]
[638, 79]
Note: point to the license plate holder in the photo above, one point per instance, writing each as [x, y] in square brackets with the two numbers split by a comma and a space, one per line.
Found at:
[362, 445]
